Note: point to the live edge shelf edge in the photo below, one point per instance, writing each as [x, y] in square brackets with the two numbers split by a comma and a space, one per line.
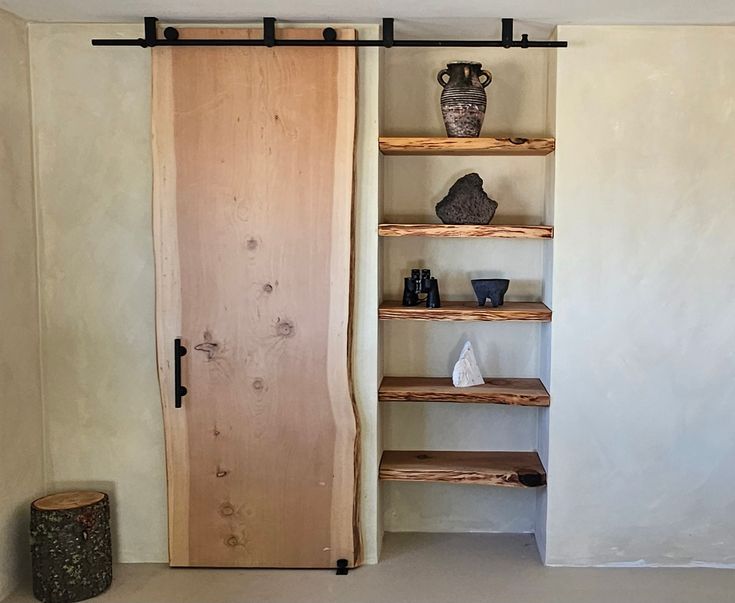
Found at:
[415, 145]
[511, 391]
[507, 469]
[497, 231]
[466, 311]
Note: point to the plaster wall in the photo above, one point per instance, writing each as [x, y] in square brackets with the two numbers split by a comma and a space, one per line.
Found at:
[641, 423]
[640, 429]
[91, 111]
[411, 188]
[21, 413]
[547, 297]
[104, 426]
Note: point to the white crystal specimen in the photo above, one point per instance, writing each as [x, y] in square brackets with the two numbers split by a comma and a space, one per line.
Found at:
[466, 373]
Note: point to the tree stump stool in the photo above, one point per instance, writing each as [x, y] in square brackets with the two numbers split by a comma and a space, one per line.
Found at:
[71, 546]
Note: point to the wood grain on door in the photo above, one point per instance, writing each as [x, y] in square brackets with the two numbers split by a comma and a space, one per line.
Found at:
[253, 173]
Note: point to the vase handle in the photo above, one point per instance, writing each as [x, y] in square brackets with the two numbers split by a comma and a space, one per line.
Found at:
[487, 75]
[440, 77]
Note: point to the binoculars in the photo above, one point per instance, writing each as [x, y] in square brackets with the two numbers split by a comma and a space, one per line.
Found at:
[421, 282]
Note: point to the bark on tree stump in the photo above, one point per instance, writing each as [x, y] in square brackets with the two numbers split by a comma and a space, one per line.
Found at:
[71, 546]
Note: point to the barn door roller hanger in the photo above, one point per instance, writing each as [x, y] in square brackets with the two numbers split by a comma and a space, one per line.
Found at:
[329, 35]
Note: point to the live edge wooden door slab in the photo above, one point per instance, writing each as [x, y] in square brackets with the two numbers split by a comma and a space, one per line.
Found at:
[253, 171]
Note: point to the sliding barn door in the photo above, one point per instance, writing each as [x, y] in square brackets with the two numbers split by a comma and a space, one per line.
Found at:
[253, 169]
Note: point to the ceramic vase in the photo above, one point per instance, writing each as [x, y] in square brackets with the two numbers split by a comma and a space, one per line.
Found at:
[463, 98]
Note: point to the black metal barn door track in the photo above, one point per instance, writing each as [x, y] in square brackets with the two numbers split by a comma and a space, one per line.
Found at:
[329, 35]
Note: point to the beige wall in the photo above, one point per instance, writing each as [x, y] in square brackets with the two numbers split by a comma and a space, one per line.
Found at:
[547, 297]
[638, 449]
[365, 358]
[92, 115]
[103, 416]
[641, 422]
[411, 188]
[21, 423]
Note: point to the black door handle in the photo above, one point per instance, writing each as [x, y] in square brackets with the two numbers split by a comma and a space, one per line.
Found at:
[179, 390]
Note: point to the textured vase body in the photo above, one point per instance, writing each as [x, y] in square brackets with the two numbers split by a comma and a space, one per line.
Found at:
[463, 100]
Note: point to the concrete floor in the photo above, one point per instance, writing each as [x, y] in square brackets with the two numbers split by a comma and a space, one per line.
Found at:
[423, 568]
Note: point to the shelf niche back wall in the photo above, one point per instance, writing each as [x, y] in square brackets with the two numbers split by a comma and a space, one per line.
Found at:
[517, 106]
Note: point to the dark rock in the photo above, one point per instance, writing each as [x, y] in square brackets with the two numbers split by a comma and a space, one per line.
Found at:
[493, 289]
[466, 203]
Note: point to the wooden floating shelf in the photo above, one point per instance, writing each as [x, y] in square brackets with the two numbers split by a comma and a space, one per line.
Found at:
[508, 469]
[519, 392]
[410, 145]
[465, 311]
[500, 231]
